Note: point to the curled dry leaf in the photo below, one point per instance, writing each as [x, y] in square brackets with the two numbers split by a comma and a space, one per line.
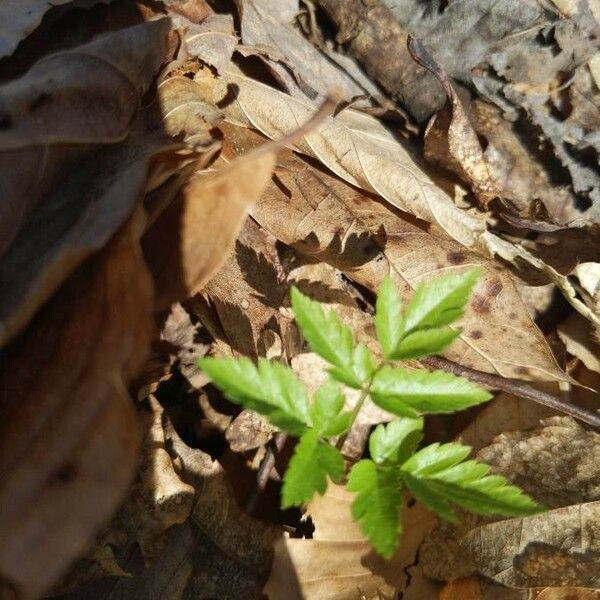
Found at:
[557, 464]
[219, 552]
[580, 341]
[69, 434]
[450, 139]
[321, 216]
[338, 563]
[203, 223]
[64, 107]
[361, 151]
[159, 498]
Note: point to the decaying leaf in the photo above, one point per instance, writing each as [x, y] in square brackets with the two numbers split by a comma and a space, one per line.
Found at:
[450, 139]
[338, 563]
[556, 463]
[69, 435]
[64, 107]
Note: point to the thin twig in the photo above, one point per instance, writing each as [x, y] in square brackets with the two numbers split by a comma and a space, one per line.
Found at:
[267, 464]
[514, 387]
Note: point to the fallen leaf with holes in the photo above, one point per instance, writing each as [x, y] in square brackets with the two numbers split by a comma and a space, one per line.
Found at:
[338, 562]
[322, 217]
[69, 436]
[558, 465]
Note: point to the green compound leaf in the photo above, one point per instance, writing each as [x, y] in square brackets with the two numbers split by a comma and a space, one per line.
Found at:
[313, 461]
[378, 504]
[326, 414]
[395, 442]
[440, 302]
[270, 389]
[411, 393]
[326, 335]
[438, 477]
[388, 317]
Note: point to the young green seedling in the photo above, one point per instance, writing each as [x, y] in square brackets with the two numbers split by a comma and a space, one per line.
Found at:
[439, 475]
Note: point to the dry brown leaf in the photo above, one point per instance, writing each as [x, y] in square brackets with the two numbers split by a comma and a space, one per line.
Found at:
[69, 434]
[204, 222]
[20, 17]
[323, 217]
[339, 563]
[525, 178]
[76, 221]
[361, 151]
[67, 104]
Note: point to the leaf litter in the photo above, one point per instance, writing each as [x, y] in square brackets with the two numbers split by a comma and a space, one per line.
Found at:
[148, 220]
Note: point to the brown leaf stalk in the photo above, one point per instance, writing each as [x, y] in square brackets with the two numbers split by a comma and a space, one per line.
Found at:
[514, 387]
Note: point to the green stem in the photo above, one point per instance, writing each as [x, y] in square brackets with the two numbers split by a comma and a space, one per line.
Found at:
[366, 390]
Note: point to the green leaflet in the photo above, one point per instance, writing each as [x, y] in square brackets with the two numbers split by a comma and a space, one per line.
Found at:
[326, 414]
[411, 393]
[440, 475]
[313, 461]
[327, 336]
[396, 441]
[388, 317]
[424, 342]
[378, 504]
[437, 476]
[270, 389]
[440, 302]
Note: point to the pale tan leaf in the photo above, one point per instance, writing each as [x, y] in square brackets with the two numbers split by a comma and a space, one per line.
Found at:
[67, 104]
[339, 563]
[69, 439]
